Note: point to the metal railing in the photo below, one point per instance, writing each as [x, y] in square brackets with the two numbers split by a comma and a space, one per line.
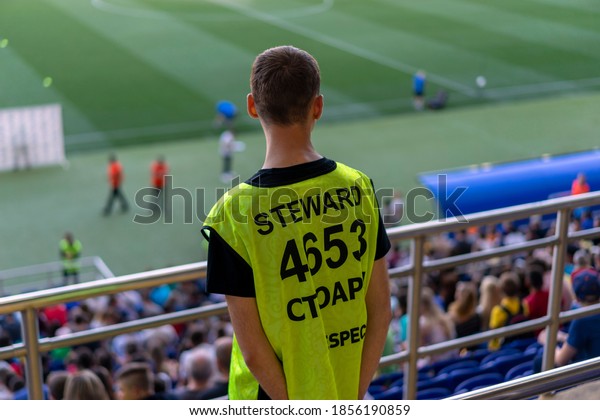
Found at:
[537, 384]
[48, 275]
[28, 304]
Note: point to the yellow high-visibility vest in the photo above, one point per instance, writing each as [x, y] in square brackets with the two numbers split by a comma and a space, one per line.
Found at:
[311, 246]
[70, 264]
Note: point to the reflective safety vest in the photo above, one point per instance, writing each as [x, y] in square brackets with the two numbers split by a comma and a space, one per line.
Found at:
[115, 174]
[311, 246]
[158, 171]
[70, 254]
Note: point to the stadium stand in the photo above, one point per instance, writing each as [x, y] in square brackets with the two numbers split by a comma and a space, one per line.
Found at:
[135, 325]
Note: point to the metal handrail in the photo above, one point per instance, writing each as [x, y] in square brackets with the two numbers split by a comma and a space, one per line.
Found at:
[49, 275]
[29, 303]
[537, 384]
[521, 211]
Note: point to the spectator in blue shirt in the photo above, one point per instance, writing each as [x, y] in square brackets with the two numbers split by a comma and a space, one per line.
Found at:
[583, 340]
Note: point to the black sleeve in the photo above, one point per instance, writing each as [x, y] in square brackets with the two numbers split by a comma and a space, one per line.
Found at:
[227, 273]
[383, 242]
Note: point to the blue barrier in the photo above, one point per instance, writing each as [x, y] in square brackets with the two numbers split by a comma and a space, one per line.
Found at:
[492, 186]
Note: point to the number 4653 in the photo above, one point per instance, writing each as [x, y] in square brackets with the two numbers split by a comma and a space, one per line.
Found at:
[335, 250]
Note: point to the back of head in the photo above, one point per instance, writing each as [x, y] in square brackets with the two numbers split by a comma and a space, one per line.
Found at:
[582, 258]
[201, 365]
[429, 307]
[135, 381]
[536, 278]
[223, 347]
[489, 292]
[586, 285]
[284, 81]
[84, 385]
[56, 384]
[509, 284]
[466, 300]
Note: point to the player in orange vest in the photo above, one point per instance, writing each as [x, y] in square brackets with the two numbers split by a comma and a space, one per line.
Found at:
[158, 171]
[115, 180]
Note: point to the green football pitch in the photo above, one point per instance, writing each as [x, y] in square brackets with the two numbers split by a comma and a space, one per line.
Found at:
[38, 206]
[139, 70]
[144, 74]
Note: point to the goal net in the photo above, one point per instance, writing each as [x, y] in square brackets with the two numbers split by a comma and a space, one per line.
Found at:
[31, 137]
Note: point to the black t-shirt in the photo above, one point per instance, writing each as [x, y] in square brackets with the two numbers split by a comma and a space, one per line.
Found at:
[230, 274]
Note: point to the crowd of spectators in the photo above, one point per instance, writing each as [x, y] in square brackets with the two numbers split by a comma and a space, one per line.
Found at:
[181, 361]
[191, 361]
[489, 294]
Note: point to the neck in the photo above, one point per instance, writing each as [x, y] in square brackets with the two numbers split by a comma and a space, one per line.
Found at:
[197, 386]
[289, 145]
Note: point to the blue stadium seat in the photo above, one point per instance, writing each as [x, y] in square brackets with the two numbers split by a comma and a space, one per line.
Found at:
[479, 381]
[478, 354]
[520, 370]
[520, 344]
[434, 368]
[394, 393]
[421, 376]
[387, 379]
[377, 389]
[533, 348]
[454, 377]
[465, 364]
[433, 394]
[499, 353]
[440, 381]
[504, 363]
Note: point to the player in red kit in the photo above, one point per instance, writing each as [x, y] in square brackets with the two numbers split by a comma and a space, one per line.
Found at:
[158, 171]
[115, 181]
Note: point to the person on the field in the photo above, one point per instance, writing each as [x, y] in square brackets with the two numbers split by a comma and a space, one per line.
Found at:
[226, 114]
[115, 181]
[226, 149]
[159, 169]
[419, 81]
[70, 251]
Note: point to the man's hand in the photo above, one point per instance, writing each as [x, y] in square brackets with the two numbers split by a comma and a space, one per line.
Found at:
[258, 353]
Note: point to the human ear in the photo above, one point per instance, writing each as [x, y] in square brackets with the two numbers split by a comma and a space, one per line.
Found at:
[317, 108]
[251, 107]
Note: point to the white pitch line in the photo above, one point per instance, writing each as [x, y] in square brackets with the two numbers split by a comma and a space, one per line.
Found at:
[175, 128]
[145, 13]
[519, 90]
[344, 46]
[338, 111]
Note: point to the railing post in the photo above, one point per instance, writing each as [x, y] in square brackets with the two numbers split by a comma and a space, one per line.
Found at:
[33, 365]
[558, 271]
[414, 303]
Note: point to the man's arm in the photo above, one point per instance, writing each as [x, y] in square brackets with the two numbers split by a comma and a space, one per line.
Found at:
[258, 353]
[379, 315]
[564, 354]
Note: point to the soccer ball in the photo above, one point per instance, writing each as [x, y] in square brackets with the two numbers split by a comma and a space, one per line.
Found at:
[480, 81]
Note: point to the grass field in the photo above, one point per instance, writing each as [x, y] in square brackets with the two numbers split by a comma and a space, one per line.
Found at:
[139, 70]
[147, 73]
[38, 206]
